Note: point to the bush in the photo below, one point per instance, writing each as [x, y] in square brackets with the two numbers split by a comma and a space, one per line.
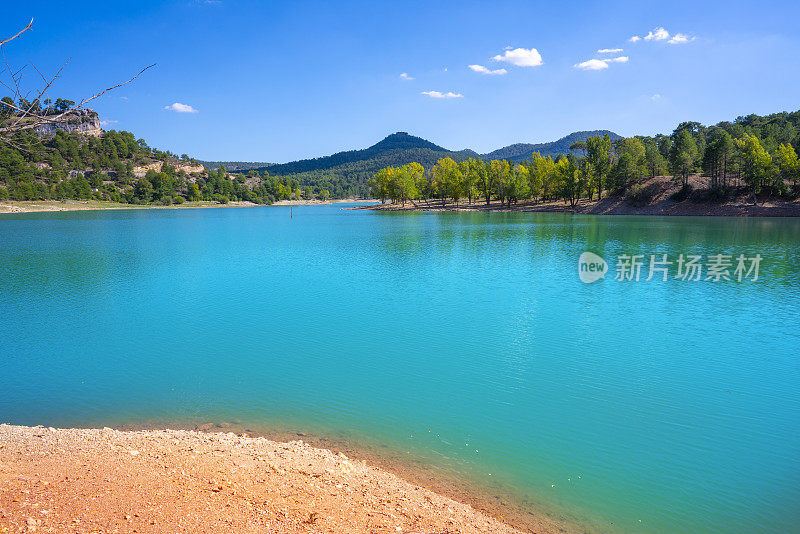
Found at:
[681, 194]
[179, 200]
[166, 200]
[717, 194]
[641, 195]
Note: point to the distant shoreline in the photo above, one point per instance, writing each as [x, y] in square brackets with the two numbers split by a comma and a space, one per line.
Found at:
[612, 206]
[321, 202]
[659, 203]
[167, 480]
[37, 206]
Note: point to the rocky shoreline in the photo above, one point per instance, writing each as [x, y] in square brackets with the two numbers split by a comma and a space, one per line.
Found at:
[658, 199]
[105, 480]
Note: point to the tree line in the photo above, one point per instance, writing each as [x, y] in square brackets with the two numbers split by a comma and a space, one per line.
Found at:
[71, 166]
[75, 166]
[759, 153]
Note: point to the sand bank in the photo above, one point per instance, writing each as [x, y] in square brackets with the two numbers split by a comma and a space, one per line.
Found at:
[30, 206]
[104, 480]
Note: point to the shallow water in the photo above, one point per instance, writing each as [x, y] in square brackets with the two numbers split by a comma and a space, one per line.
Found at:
[465, 340]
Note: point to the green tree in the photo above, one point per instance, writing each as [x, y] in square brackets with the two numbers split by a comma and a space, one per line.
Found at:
[471, 170]
[447, 179]
[756, 163]
[682, 155]
[500, 171]
[630, 167]
[571, 180]
[516, 185]
[484, 180]
[598, 153]
[379, 184]
[143, 190]
[542, 176]
[788, 164]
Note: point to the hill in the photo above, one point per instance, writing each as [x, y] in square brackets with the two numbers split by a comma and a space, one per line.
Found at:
[522, 151]
[74, 158]
[346, 173]
[397, 147]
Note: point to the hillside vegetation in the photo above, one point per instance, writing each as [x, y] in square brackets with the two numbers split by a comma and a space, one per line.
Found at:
[753, 154]
[346, 174]
[522, 151]
[116, 166]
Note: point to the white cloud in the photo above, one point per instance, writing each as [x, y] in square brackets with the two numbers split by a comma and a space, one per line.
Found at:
[600, 64]
[180, 108]
[484, 70]
[655, 97]
[108, 122]
[405, 76]
[439, 94]
[680, 38]
[592, 64]
[609, 51]
[658, 34]
[521, 57]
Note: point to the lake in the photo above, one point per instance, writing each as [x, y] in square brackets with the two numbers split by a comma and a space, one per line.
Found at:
[463, 340]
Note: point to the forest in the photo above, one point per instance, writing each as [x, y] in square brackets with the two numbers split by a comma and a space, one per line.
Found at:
[75, 166]
[753, 152]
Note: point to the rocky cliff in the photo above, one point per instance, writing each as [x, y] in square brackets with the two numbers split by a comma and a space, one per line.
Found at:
[188, 168]
[84, 121]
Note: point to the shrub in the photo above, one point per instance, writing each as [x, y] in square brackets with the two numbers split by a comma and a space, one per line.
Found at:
[717, 194]
[166, 200]
[641, 195]
[681, 194]
[179, 200]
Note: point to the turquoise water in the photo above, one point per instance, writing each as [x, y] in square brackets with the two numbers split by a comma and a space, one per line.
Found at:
[465, 339]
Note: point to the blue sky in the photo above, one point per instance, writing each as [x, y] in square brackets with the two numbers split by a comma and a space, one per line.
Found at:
[282, 81]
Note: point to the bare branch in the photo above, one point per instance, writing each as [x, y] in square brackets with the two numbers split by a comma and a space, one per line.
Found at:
[25, 118]
[104, 91]
[23, 30]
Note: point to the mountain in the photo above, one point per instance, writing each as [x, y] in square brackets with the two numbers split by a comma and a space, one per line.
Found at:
[522, 151]
[396, 149]
[346, 173]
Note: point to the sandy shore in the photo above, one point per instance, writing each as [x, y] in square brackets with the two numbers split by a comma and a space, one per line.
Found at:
[31, 206]
[319, 202]
[104, 480]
